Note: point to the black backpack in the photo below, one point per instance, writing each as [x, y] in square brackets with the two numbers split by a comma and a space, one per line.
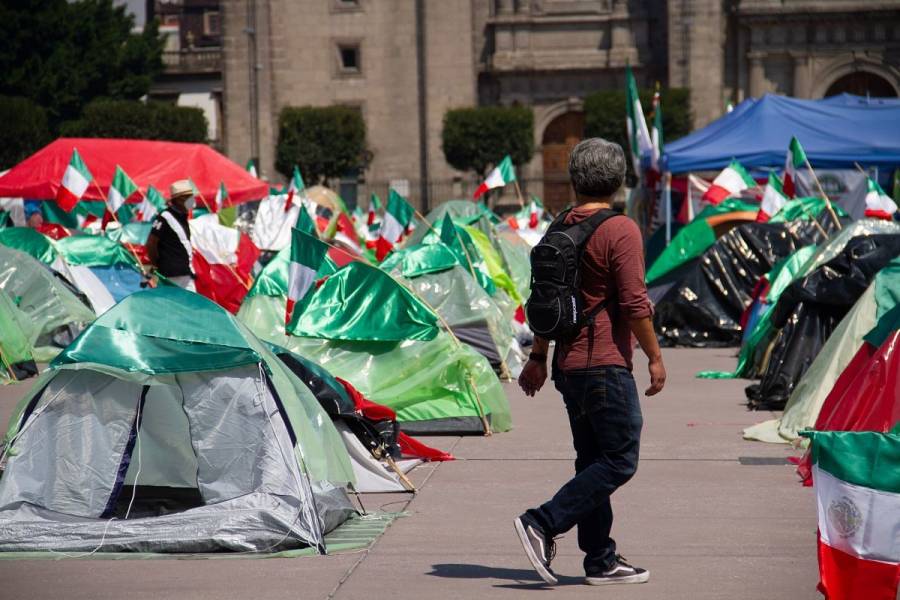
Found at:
[555, 309]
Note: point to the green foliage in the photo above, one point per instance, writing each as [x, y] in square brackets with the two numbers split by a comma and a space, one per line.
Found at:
[324, 141]
[477, 138]
[63, 54]
[604, 115]
[133, 119]
[24, 129]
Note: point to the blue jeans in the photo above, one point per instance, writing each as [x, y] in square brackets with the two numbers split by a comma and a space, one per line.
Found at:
[605, 416]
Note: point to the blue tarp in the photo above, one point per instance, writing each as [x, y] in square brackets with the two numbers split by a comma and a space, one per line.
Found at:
[835, 132]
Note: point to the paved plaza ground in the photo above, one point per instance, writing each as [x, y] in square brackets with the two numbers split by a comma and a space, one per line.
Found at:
[700, 515]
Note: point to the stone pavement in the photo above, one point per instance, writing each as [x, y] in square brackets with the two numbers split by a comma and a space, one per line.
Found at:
[707, 524]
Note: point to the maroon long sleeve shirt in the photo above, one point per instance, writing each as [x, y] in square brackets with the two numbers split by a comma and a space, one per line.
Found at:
[612, 267]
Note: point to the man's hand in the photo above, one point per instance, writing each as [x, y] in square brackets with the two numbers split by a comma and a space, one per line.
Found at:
[533, 376]
[657, 377]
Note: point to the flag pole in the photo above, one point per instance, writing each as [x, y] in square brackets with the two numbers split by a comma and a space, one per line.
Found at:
[828, 205]
[519, 193]
[116, 219]
[234, 272]
[668, 194]
[811, 217]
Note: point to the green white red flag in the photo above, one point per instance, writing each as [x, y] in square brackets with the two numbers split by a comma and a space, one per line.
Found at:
[151, 206]
[638, 134]
[503, 174]
[878, 204]
[221, 197]
[296, 186]
[794, 160]
[773, 199]
[374, 207]
[856, 475]
[398, 215]
[733, 180]
[307, 255]
[251, 168]
[75, 182]
[121, 188]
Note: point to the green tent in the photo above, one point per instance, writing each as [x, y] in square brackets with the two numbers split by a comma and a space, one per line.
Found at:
[29, 241]
[201, 440]
[53, 309]
[802, 408]
[18, 337]
[434, 383]
[434, 273]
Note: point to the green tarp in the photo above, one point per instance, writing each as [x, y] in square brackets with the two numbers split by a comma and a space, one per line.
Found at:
[30, 242]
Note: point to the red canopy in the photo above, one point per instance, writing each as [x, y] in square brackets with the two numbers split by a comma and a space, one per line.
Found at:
[146, 162]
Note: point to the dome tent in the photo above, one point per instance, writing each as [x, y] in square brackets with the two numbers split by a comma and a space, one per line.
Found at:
[200, 440]
[434, 384]
[52, 307]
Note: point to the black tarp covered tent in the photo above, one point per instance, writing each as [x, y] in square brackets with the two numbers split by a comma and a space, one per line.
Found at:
[809, 310]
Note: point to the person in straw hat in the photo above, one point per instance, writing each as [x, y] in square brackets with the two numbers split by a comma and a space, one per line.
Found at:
[169, 244]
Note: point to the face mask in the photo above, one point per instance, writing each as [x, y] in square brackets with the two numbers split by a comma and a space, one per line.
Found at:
[189, 203]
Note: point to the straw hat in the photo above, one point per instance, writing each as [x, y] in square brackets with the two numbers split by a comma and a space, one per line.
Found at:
[181, 188]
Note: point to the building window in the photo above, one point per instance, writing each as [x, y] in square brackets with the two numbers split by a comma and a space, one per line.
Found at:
[349, 58]
[211, 24]
[345, 5]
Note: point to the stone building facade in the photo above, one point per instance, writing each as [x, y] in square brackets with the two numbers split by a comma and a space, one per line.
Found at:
[404, 63]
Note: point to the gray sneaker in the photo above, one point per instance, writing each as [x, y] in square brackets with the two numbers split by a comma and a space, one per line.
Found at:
[620, 572]
[539, 548]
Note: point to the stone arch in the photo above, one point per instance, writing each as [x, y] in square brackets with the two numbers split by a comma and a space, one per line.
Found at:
[548, 114]
[848, 65]
[559, 135]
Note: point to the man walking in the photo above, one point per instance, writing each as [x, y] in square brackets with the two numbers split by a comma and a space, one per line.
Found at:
[169, 244]
[594, 377]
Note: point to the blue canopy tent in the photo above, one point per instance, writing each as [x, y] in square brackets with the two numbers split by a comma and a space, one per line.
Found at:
[835, 132]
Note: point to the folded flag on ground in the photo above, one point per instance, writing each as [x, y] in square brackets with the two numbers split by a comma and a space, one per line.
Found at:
[857, 480]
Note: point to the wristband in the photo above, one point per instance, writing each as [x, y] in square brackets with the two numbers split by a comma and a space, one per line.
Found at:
[537, 357]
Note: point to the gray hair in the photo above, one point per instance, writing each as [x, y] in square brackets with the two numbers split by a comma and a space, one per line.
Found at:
[597, 167]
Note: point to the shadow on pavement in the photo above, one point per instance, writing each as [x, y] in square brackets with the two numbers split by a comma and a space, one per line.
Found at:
[526, 578]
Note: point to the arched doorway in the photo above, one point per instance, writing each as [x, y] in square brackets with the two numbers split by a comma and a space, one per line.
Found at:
[862, 83]
[560, 136]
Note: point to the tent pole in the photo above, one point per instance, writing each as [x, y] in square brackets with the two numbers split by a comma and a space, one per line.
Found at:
[400, 474]
[834, 216]
[668, 194]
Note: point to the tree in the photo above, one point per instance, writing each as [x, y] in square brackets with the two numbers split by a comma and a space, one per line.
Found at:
[63, 54]
[324, 141]
[133, 119]
[475, 139]
[24, 130]
[604, 115]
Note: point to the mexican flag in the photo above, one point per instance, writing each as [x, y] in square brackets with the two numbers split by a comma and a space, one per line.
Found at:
[398, 215]
[733, 180]
[857, 482]
[638, 135]
[221, 197]
[151, 206]
[374, 207]
[307, 256]
[251, 168]
[296, 187]
[656, 134]
[121, 188]
[502, 174]
[773, 199]
[75, 182]
[794, 160]
[878, 204]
